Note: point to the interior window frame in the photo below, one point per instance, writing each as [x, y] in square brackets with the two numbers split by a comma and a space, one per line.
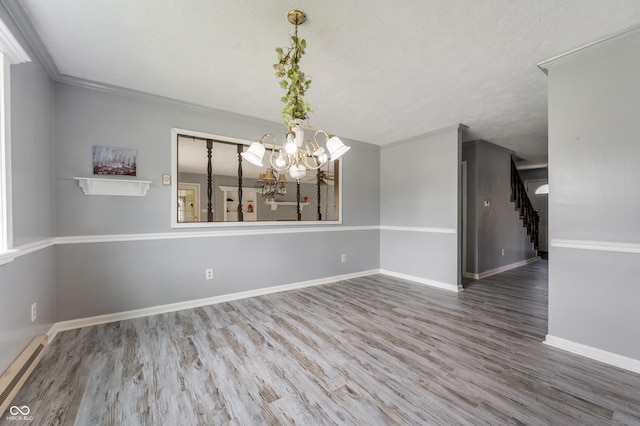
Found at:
[175, 132]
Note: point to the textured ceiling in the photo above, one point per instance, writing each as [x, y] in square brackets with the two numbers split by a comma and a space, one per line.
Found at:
[382, 70]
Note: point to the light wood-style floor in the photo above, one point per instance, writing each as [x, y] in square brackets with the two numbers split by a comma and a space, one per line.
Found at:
[367, 351]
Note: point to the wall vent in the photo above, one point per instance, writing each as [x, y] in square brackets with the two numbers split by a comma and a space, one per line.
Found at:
[12, 380]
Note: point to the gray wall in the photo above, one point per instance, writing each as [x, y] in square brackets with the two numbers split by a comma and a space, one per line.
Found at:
[98, 278]
[594, 105]
[26, 280]
[420, 189]
[103, 278]
[87, 117]
[29, 278]
[498, 226]
[534, 174]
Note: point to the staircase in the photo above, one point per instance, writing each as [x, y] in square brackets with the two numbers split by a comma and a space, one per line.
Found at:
[528, 215]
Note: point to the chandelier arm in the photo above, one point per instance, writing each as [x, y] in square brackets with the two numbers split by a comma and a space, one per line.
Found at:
[275, 141]
[326, 135]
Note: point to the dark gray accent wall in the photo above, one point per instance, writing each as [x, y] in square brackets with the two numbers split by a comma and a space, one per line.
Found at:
[594, 106]
[100, 278]
[496, 226]
[29, 278]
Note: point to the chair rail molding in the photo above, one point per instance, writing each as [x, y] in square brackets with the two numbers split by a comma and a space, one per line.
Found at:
[612, 246]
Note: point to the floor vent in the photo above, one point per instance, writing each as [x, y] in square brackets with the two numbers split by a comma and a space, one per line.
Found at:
[12, 380]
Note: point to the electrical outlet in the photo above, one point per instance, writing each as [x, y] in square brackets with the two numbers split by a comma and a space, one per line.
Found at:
[34, 312]
[503, 252]
[208, 273]
[344, 257]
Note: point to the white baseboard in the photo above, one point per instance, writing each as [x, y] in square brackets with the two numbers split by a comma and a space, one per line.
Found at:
[189, 304]
[594, 353]
[501, 269]
[432, 283]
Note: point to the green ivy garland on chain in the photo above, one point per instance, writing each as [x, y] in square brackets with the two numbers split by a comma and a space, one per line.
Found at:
[294, 80]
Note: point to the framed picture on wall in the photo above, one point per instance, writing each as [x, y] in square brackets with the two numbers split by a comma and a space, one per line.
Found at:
[108, 160]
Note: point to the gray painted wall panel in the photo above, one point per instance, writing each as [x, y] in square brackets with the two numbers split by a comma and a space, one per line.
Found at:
[26, 280]
[594, 105]
[420, 188]
[419, 182]
[593, 299]
[29, 278]
[102, 278]
[32, 152]
[420, 254]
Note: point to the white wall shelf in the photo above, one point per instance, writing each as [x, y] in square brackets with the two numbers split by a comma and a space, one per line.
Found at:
[274, 204]
[124, 187]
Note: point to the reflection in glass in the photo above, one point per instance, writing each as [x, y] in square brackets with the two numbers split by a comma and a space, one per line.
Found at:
[265, 196]
[188, 199]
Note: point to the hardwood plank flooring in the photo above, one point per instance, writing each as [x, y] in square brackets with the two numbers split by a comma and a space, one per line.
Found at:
[367, 351]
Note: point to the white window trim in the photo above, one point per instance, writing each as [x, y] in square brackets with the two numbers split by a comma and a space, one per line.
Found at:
[174, 190]
[10, 53]
[6, 229]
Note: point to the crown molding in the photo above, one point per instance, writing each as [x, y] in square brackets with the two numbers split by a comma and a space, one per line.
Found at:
[148, 97]
[11, 47]
[19, 16]
[588, 49]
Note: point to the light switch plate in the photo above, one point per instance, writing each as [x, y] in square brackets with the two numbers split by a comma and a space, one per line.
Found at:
[166, 179]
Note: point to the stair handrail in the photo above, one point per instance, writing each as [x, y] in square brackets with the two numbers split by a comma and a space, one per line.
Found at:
[523, 203]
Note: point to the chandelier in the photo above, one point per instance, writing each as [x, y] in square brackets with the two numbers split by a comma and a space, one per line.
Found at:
[272, 186]
[295, 155]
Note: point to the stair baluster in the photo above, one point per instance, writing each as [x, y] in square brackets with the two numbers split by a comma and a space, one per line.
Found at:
[522, 203]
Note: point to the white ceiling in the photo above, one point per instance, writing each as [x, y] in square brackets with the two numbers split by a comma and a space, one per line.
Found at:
[382, 70]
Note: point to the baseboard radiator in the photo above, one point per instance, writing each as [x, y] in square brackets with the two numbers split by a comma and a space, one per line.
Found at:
[12, 380]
